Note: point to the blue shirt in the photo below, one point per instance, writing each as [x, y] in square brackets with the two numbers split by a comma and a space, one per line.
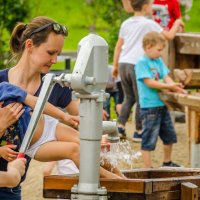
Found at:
[153, 69]
[15, 133]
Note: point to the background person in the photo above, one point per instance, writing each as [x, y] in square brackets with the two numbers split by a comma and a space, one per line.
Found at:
[150, 71]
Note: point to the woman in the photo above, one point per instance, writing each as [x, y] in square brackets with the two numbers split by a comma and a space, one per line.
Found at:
[35, 47]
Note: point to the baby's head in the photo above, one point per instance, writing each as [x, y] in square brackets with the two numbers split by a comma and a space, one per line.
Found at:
[153, 44]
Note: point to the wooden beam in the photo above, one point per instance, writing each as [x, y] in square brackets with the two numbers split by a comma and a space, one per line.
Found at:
[189, 77]
[189, 191]
[187, 43]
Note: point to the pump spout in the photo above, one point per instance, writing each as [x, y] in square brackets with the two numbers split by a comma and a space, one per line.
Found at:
[110, 128]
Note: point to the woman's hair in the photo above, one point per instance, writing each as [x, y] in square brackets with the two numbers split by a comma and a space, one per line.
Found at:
[153, 38]
[22, 32]
[138, 4]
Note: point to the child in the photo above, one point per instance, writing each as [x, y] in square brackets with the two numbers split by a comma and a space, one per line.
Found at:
[51, 141]
[12, 176]
[174, 13]
[127, 51]
[150, 70]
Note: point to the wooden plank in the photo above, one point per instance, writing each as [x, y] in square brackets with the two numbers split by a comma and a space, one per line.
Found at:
[112, 185]
[189, 191]
[189, 77]
[172, 56]
[194, 127]
[171, 184]
[187, 43]
[163, 172]
[188, 124]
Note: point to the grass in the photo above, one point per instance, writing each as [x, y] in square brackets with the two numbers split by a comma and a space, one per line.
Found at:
[193, 25]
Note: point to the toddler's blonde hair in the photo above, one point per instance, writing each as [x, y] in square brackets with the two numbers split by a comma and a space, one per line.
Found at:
[153, 38]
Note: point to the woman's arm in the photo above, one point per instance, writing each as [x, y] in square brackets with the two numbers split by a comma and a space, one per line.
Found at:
[53, 111]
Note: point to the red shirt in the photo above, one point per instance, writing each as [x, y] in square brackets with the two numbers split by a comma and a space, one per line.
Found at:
[173, 10]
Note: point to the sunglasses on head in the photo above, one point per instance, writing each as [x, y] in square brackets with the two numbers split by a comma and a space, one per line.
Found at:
[57, 28]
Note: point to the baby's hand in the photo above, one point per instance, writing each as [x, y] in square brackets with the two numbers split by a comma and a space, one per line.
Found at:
[7, 152]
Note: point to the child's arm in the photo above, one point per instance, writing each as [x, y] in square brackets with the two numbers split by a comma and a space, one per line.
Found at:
[15, 170]
[176, 87]
[116, 56]
[53, 111]
[169, 35]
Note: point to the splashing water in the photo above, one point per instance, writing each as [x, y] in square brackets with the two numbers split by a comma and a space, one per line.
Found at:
[120, 154]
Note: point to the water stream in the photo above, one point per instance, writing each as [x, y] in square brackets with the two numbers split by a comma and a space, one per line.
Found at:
[120, 155]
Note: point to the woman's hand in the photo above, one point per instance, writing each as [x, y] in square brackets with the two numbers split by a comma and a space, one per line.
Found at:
[18, 164]
[9, 115]
[7, 152]
[71, 120]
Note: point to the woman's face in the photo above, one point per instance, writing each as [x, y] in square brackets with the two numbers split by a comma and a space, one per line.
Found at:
[46, 54]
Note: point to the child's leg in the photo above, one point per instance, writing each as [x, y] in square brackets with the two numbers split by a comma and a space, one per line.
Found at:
[167, 134]
[48, 168]
[167, 152]
[67, 146]
[151, 126]
[66, 133]
[146, 155]
[57, 150]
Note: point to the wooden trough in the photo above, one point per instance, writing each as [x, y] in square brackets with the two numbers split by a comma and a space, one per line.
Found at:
[142, 184]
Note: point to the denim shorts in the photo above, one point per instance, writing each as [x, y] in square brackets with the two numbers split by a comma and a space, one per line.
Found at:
[156, 122]
[10, 193]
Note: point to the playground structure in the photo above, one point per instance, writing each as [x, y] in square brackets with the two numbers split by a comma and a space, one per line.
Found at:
[184, 62]
[148, 184]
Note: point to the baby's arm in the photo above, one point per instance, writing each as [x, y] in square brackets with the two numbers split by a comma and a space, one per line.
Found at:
[15, 170]
[53, 111]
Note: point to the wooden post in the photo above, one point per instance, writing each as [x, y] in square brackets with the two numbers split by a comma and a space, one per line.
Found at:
[189, 191]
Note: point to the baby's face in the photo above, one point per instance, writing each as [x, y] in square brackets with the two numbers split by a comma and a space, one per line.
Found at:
[154, 52]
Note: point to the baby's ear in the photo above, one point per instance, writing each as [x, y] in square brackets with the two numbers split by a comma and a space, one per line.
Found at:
[1, 103]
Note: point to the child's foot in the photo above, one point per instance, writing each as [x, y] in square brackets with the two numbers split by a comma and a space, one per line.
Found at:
[137, 137]
[170, 164]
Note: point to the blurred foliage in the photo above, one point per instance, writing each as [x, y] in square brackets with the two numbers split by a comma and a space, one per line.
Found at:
[112, 12]
[11, 11]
